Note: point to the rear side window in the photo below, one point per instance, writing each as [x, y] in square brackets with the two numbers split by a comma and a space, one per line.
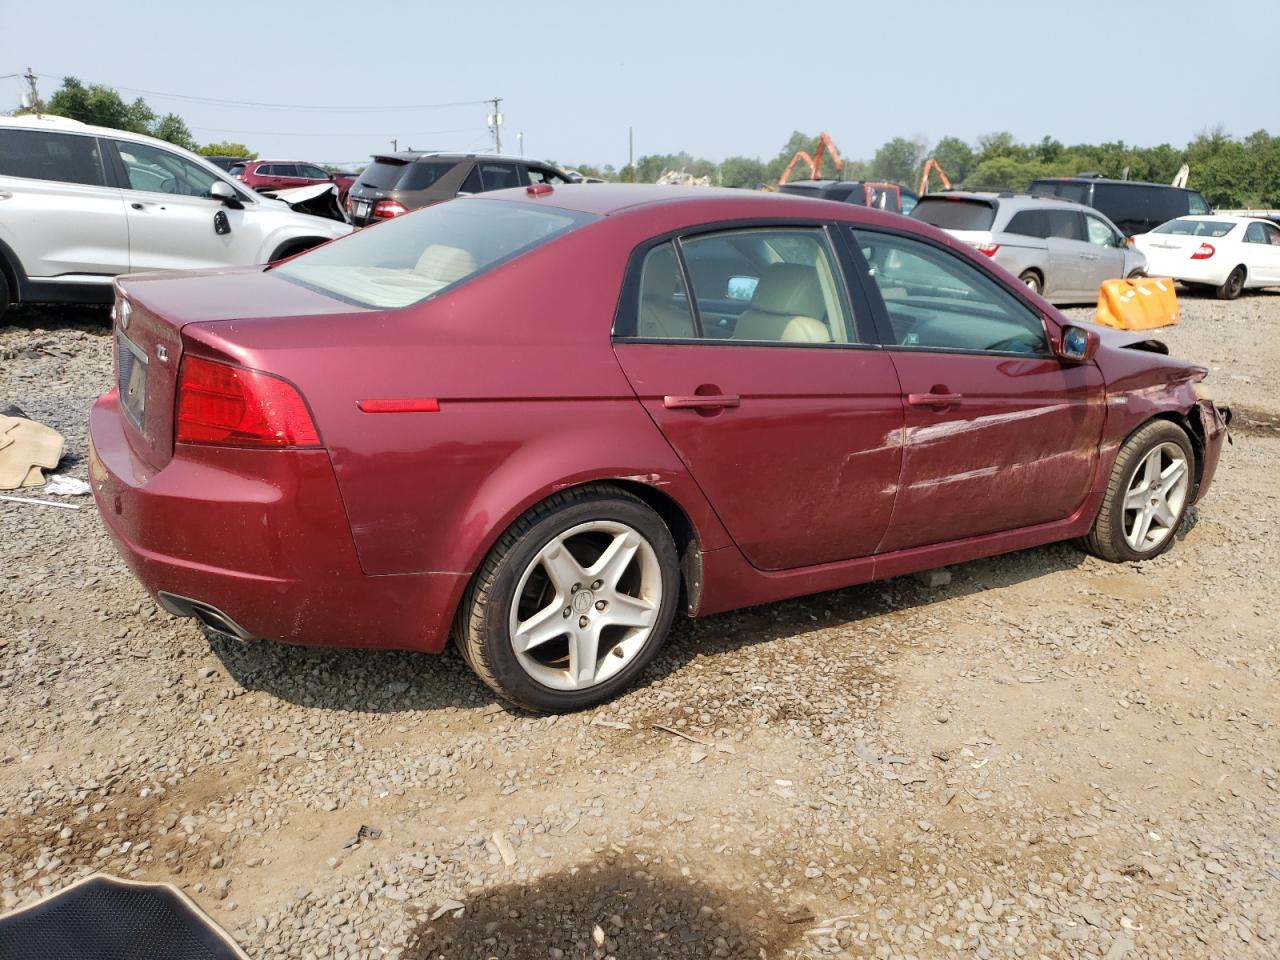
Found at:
[421, 175]
[236, 170]
[42, 155]
[499, 176]
[382, 174]
[311, 173]
[472, 184]
[1029, 223]
[408, 259]
[955, 214]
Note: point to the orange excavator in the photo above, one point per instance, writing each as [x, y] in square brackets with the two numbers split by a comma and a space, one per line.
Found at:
[815, 161]
[931, 165]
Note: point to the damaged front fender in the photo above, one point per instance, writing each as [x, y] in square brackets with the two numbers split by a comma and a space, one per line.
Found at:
[319, 200]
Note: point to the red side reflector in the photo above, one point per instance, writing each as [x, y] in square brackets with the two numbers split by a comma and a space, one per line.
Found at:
[222, 404]
[538, 189]
[1204, 252]
[423, 405]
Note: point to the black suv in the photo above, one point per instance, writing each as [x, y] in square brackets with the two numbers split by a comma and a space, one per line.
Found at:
[1133, 206]
[864, 193]
[396, 183]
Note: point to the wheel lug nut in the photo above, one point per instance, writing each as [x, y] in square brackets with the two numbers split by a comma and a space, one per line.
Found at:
[582, 621]
[597, 584]
[575, 588]
[567, 611]
[601, 604]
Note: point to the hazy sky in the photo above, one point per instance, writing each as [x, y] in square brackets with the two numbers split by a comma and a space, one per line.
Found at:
[713, 78]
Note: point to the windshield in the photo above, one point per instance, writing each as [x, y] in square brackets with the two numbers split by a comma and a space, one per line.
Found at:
[408, 259]
[382, 174]
[1197, 228]
[955, 213]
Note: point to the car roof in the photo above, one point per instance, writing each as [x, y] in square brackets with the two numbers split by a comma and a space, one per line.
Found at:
[409, 156]
[1016, 201]
[606, 199]
[1087, 178]
[1228, 217]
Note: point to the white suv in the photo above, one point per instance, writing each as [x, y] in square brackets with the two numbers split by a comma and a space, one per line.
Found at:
[80, 205]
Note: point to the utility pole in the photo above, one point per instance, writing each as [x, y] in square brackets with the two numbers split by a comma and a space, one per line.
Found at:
[631, 152]
[395, 145]
[36, 105]
[495, 122]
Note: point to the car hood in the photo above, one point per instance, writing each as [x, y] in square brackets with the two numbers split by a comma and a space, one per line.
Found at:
[318, 200]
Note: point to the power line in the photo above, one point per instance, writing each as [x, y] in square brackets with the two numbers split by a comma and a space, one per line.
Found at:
[255, 105]
[382, 134]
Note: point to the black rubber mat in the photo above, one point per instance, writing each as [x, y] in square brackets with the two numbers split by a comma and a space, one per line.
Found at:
[106, 919]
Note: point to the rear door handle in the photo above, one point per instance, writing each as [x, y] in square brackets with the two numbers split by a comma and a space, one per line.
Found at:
[933, 399]
[710, 402]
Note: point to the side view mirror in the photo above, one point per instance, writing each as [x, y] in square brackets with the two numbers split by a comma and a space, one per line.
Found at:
[1076, 345]
[222, 191]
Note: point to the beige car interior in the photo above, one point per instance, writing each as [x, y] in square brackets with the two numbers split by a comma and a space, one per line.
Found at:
[659, 318]
[446, 264]
[787, 304]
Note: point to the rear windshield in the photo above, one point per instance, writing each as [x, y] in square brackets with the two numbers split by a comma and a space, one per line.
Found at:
[383, 174]
[1197, 228]
[236, 169]
[410, 258]
[955, 214]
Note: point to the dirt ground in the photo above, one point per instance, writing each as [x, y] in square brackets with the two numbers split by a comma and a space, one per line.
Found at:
[1050, 756]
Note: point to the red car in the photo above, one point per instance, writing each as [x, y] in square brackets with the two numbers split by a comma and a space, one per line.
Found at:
[275, 175]
[544, 419]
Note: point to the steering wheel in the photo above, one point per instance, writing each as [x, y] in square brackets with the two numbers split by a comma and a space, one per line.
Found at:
[169, 185]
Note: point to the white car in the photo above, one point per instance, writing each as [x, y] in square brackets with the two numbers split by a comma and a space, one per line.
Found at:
[1226, 253]
[80, 205]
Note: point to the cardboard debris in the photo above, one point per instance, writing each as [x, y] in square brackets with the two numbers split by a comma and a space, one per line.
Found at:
[27, 449]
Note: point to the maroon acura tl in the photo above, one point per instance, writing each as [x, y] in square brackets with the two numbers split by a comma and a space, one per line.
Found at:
[543, 419]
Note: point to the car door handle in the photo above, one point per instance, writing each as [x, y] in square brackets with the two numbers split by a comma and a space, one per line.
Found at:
[933, 399]
[708, 402]
[1088, 256]
[5, 195]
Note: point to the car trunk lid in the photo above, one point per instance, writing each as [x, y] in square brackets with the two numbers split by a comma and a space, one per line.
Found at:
[151, 311]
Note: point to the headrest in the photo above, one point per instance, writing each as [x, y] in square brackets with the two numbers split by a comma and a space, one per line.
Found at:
[790, 289]
[446, 264]
[660, 276]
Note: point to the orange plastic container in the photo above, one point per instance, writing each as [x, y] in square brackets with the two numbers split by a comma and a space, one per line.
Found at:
[1139, 304]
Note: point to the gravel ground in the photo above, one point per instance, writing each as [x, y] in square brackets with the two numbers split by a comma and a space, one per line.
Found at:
[1050, 756]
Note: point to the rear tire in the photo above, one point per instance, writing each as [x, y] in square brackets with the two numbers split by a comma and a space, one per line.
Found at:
[4, 293]
[294, 247]
[1147, 495]
[550, 623]
[1233, 286]
[1032, 280]
[1137, 275]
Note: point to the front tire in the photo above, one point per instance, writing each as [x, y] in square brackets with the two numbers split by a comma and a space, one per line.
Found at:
[1147, 495]
[1232, 287]
[573, 601]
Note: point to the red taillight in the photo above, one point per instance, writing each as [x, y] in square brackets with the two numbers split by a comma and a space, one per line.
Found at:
[1204, 252]
[988, 249]
[386, 209]
[350, 203]
[219, 403]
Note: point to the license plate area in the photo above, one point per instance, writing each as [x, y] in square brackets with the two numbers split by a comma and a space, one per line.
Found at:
[133, 379]
[362, 208]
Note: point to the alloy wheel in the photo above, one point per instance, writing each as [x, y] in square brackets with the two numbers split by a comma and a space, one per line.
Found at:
[1156, 495]
[585, 605]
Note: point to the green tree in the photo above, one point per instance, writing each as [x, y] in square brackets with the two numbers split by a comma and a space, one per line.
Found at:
[1228, 178]
[897, 160]
[172, 128]
[227, 148]
[742, 172]
[100, 106]
[955, 157]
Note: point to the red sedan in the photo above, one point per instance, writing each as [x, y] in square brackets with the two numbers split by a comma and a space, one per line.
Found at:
[544, 419]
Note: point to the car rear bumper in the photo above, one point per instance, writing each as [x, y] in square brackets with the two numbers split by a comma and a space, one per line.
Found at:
[1180, 266]
[258, 539]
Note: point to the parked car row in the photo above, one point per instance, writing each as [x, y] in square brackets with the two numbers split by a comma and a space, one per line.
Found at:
[80, 205]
